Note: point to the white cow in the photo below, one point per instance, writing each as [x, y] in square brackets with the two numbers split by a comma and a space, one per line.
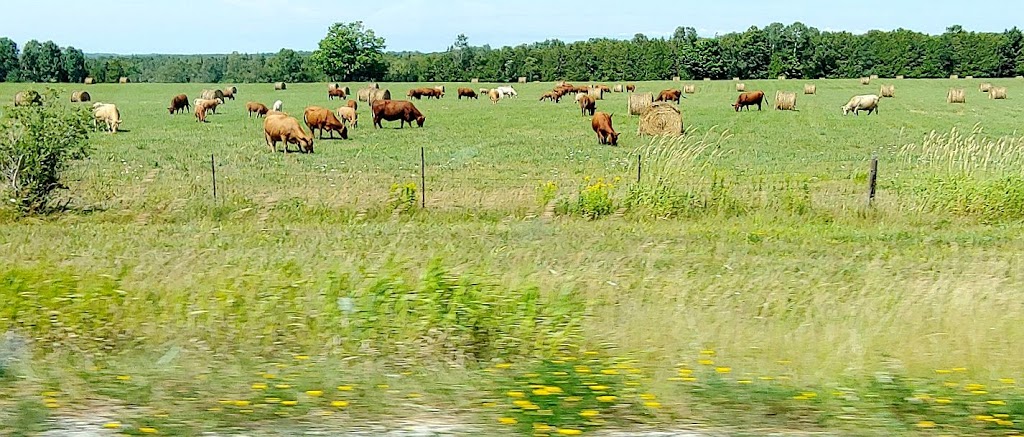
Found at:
[867, 102]
[106, 113]
[278, 106]
[507, 91]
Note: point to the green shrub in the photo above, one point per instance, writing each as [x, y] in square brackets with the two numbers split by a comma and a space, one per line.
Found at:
[403, 196]
[37, 143]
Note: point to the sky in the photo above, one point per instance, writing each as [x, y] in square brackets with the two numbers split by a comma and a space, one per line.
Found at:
[262, 26]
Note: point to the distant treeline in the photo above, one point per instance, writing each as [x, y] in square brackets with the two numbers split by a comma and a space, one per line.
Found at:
[796, 51]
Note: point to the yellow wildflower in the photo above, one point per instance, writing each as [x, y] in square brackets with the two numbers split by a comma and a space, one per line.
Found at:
[723, 370]
[302, 357]
[124, 378]
[707, 352]
[647, 396]
[489, 404]
[652, 404]
[609, 372]
[706, 362]
[542, 427]
[589, 413]
[569, 431]
[283, 386]
[344, 388]
[314, 393]
[1008, 381]
[606, 398]
[515, 394]
[997, 403]
[502, 366]
[339, 404]
[507, 421]
[241, 403]
[926, 424]
[289, 403]
[146, 430]
[259, 386]
[112, 425]
[599, 387]
[383, 386]
[943, 401]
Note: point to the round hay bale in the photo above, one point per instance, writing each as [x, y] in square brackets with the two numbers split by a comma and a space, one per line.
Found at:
[997, 93]
[735, 79]
[280, 86]
[379, 94]
[785, 101]
[347, 91]
[810, 89]
[782, 77]
[690, 89]
[956, 95]
[954, 76]
[618, 88]
[596, 92]
[364, 94]
[899, 77]
[1020, 77]
[28, 98]
[873, 77]
[89, 81]
[638, 103]
[124, 80]
[474, 80]
[333, 86]
[741, 87]
[985, 87]
[888, 91]
[661, 118]
[522, 79]
[212, 94]
[80, 96]
[374, 85]
[865, 81]
[707, 79]
[675, 78]
[234, 89]
[968, 77]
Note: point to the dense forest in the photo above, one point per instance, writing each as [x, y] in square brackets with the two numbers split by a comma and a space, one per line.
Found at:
[796, 50]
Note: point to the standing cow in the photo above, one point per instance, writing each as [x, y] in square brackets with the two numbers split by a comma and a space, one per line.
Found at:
[746, 100]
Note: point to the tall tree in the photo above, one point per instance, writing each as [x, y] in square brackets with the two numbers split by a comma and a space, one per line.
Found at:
[74, 64]
[286, 66]
[351, 52]
[31, 56]
[51, 64]
[8, 60]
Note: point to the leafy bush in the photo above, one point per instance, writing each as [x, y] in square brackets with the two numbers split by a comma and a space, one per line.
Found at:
[37, 143]
[403, 197]
[546, 192]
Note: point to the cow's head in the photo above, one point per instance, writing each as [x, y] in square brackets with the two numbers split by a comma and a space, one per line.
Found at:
[306, 144]
[736, 106]
[846, 109]
[420, 120]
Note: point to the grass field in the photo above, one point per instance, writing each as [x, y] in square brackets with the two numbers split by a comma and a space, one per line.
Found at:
[743, 282]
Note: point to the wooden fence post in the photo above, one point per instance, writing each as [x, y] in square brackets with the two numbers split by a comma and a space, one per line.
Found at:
[639, 168]
[423, 178]
[873, 180]
[213, 173]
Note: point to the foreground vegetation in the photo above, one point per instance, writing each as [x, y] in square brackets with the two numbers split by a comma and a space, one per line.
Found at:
[743, 282]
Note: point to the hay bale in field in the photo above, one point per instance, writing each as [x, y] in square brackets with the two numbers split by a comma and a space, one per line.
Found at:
[80, 96]
[280, 86]
[124, 80]
[810, 89]
[522, 79]
[707, 79]
[865, 81]
[364, 94]
[689, 89]
[735, 79]
[374, 85]
[954, 76]
[873, 76]
[474, 80]
[899, 77]
[89, 81]
[782, 77]
[28, 98]
[1020, 77]
[968, 77]
[596, 92]
[888, 91]
[741, 87]
[212, 94]
[675, 78]
[234, 89]
[638, 103]
[661, 118]
[785, 101]
[956, 95]
[985, 87]
[618, 88]
[333, 86]
[379, 94]
[997, 93]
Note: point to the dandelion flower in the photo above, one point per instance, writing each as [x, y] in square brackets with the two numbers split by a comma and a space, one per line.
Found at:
[344, 388]
[589, 413]
[112, 425]
[599, 387]
[943, 401]
[647, 397]
[542, 427]
[283, 386]
[569, 431]
[489, 404]
[314, 393]
[339, 404]
[502, 366]
[706, 362]
[926, 424]
[302, 357]
[997, 403]
[723, 370]
[609, 372]
[1008, 381]
[606, 398]
[146, 430]
[124, 378]
[507, 421]
[241, 403]
[259, 386]
[289, 403]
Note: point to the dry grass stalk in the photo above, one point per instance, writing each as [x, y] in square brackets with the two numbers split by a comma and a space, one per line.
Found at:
[638, 103]
[956, 95]
[968, 154]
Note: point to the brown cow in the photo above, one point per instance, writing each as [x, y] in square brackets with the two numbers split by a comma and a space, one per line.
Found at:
[179, 104]
[587, 104]
[323, 119]
[419, 93]
[467, 93]
[669, 96]
[352, 104]
[257, 108]
[348, 115]
[337, 92]
[392, 110]
[279, 127]
[550, 95]
[229, 93]
[746, 100]
[201, 113]
[630, 88]
[494, 95]
[603, 88]
[602, 124]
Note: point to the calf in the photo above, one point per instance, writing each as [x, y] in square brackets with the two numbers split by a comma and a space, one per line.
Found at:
[337, 92]
[201, 113]
[467, 93]
[257, 108]
[348, 115]
[494, 96]
[211, 104]
[602, 124]
[746, 100]
[392, 110]
[352, 104]
[587, 104]
[179, 104]
[323, 119]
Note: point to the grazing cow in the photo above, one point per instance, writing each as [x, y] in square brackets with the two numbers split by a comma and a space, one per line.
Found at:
[348, 115]
[550, 95]
[323, 119]
[257, 108]
[278, 106]
[669, 96]
[392, 110]
[602, 124]
[580, 96]
[603, 88]
[106, 113]
[507, 91]
[868, 102]
[337, 92]
[286, 129]
[746, 100]
[211, 104]
[484, 91]
[229, 93]
[630, 88]
[201, 113]
[467, 93]
[494, 95]
[179, 104]
[587, 104]
[352, 104]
